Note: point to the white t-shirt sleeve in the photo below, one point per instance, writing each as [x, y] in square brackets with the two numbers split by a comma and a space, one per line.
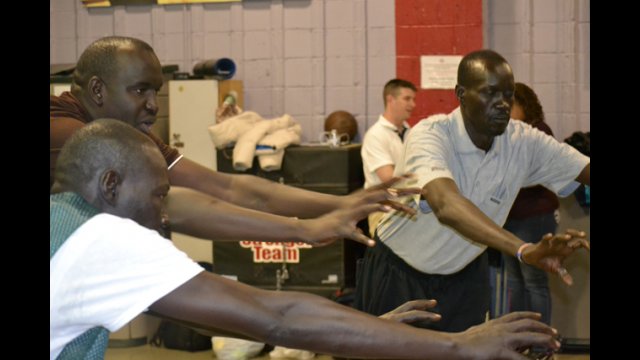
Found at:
[109, 271]
[555, 165]
[426, 154]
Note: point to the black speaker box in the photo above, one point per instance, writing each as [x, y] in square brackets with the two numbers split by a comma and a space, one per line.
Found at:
[328, 170]
[322, 270]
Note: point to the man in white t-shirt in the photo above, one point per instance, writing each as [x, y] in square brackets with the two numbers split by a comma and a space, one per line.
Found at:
[470, 165]
[382, 145]
[107, 264]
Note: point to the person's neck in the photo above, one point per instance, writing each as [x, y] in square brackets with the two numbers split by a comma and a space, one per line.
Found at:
[398, 123]
[481, 141]
[85, 101]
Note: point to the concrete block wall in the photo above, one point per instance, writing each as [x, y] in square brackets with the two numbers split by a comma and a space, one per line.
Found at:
[311, 57]
[306, 58]
[547, 44]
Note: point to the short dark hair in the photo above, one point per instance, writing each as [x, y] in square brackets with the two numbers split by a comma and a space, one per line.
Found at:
[468, 67]
[528, 100]
[100, 59]
[101, 144]
[393, 86]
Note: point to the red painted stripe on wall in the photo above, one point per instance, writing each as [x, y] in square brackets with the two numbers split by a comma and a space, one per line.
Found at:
[434, 27]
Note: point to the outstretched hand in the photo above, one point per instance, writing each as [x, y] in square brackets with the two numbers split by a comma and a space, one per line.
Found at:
[506, 336]
[341, 223]
[388, 195]
[552, 250]
[413, 311]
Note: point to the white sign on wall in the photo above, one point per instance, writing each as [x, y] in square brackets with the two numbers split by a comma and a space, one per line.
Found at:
[439, 72]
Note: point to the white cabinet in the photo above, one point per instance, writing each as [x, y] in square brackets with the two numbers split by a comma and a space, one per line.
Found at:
[58, 88]
[192, 109]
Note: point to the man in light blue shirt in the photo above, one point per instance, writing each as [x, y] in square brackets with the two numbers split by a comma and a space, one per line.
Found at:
[470, 165]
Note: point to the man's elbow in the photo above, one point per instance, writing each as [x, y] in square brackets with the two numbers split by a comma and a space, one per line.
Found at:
[444, 213]
[445, 218]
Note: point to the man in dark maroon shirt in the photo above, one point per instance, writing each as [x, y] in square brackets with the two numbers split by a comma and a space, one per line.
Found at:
[119, 77]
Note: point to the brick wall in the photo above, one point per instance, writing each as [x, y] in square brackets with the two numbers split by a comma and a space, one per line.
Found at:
[434, 27]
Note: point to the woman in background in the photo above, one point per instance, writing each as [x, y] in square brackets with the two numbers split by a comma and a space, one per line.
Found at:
[533, 214]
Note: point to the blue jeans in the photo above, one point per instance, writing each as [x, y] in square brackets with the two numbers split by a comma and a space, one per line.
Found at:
[527, 286]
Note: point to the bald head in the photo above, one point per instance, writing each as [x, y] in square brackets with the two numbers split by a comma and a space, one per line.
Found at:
[119, 78]
[115, 168]
[100, 58]
[102, 144]
[475, 65]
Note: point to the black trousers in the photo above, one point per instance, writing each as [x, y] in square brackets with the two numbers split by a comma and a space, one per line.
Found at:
[384, 282]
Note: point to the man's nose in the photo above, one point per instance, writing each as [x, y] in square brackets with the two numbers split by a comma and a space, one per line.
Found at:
[504, 102]
[152, 105]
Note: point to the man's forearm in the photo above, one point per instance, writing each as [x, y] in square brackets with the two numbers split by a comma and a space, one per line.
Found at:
[253, 192]
[463, 216]
[456, 211]
[264, 195]
[310, 322]
[300, 320]
[198, 214]
[347, 332]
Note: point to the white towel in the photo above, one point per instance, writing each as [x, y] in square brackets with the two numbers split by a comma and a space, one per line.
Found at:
[271, 162]
[246, 145]
[270, 158]
[280, 352]
[230, 130]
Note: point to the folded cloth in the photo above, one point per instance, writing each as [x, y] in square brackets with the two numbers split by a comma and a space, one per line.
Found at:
[235, 349]
[246, 145]
[270, 149]
[230, 130]
[271, 162]
[279, 140]
[282, 352]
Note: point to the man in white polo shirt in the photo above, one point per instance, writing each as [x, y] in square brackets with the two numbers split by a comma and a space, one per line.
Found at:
[470, 165]
[382, 144]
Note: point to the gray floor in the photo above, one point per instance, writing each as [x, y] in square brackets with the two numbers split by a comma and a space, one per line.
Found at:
[152, 353]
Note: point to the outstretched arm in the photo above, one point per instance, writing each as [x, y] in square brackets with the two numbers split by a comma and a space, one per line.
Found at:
[260, 194]
[410, 312]
[306, 321]
[456, 211]
[198, 214]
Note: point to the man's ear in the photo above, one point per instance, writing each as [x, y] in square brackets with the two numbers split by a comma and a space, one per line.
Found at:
[109, 186]
[96, 87]
[460, 93]
[389, 98]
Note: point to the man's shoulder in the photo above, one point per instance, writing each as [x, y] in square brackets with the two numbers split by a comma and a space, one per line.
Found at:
[67, 106]
[433, 122]
[375, 133]
[61, 129]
